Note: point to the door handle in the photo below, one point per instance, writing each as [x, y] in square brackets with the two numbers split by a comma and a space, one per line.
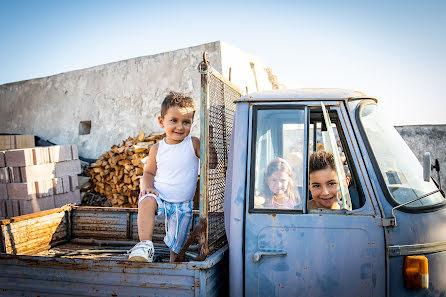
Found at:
[258, 255]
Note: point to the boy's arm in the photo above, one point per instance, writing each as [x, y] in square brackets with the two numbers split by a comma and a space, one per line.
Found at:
[148, 176]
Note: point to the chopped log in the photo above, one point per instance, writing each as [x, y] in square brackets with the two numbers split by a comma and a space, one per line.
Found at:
[116, 174]
[141, 136]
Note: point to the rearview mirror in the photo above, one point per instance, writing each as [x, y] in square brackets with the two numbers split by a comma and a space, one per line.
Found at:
[427, 166]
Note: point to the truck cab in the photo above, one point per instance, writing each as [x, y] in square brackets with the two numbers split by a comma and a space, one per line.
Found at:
[389, 217]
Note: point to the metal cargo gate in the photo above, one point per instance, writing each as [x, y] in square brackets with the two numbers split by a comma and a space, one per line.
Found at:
[217, 114]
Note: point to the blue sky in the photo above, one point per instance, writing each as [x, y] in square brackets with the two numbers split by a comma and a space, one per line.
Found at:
[392, 50]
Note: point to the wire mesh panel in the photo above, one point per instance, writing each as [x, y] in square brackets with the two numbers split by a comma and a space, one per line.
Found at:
[216, 118]
[221, 115]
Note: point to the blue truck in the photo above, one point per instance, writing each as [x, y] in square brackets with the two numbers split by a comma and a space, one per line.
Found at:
[388, 237]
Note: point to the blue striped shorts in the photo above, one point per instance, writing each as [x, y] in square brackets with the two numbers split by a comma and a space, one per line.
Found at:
[177, 219]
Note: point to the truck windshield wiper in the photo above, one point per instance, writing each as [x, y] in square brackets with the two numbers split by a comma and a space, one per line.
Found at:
[392, 220]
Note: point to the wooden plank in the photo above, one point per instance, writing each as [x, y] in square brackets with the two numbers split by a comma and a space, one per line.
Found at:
[36, 214]
[26, 235]
[23, 240]
[37, 220]
[24, 141]
[32, 232]
[7, 142]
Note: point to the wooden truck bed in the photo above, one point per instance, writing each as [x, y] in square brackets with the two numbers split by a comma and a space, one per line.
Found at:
[81, 251]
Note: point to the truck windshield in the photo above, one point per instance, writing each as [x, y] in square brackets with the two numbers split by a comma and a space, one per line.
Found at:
[400, 169]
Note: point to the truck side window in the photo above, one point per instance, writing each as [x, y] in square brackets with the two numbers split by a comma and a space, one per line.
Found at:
[319, 140]
[278, 154]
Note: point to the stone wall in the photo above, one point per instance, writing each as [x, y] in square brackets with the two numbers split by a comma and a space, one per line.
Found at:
[427, 138]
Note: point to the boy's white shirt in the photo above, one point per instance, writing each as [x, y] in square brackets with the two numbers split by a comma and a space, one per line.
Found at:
[177, 170]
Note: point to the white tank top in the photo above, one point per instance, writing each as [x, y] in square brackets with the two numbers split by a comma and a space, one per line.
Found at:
[177, 170]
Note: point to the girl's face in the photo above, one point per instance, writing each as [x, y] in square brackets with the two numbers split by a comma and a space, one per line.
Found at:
[324, 188]
[278, 182]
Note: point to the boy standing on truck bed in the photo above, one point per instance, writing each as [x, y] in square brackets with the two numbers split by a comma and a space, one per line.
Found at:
[169, 180]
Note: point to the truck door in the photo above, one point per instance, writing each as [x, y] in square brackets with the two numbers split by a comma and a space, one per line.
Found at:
[290, 250]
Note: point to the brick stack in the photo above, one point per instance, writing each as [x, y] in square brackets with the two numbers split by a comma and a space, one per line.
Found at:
[36, 179]
[10, 142]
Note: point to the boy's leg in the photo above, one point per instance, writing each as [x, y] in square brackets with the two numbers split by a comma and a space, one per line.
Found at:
[179, 222]
[146, 218]
[143, 251]
[173, 257]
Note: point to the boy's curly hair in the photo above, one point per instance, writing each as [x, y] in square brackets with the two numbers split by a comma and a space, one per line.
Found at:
[176, 99]
[321, 160]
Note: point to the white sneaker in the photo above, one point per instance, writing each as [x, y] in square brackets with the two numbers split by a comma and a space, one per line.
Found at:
[143, 251]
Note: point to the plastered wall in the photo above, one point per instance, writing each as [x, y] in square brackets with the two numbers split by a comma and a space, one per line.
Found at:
[119, 99]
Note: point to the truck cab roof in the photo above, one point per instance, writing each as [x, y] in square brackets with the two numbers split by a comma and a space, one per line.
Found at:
[303, 94]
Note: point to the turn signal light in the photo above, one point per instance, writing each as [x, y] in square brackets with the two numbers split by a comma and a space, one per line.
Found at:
[416, 272]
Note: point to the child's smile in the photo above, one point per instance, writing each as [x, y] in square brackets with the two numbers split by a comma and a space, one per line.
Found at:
[324, 188]
[278, 182]
[177, 123]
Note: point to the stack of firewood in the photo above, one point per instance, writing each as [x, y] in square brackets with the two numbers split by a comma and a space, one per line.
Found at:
[116, 174]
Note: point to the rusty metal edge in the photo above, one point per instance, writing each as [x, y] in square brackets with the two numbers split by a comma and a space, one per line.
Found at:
[204, 157]
[113, 209]
[69, 222]
[201, 224]
[64, 208]
[2, 240]
[129, 226]
[104, 209]
[211, 260]
[224, 80]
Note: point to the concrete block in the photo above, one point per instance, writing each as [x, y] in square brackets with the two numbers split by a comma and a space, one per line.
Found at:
[14, 175]
[45, 153]
[41, 155]
[9, 210]
[74, 152]
[67, 198]
[60, 153]
[24, 141]
[16, 208]
[67, 168]
[7, 142]
[22, 191]
[3, 191]
[38, 172]
[35, 205]
[4, 175]
[66, 184]
[3, 213]
[17, 158]
[37, 155]
[58, 185]
[2, 159]
[44, 188]
[74, 183]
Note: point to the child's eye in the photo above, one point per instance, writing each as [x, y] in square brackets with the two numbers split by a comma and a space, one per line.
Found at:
[332, 184]
[173, 120]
